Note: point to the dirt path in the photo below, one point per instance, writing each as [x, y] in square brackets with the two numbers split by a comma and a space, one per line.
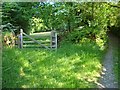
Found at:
[0, 59]
[108, 79]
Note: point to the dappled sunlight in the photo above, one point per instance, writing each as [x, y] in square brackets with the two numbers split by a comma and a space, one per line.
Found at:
[37, 24]
[22, 72]
[25, 63]
[70, 68]
[25, 86]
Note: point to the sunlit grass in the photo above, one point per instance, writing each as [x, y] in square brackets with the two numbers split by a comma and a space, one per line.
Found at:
[72, 65]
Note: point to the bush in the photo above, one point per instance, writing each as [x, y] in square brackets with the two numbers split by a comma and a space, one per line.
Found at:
[88, 33]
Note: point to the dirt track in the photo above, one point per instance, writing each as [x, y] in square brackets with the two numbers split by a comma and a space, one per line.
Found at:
[108, 79]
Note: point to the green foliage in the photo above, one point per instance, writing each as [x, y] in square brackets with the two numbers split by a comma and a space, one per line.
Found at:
[37, 25]
[17, 14]
[88, 33]
[78, 66]
[115, 29]
[69, 16]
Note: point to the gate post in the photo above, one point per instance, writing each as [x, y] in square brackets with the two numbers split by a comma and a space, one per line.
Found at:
[54, 39]
[21, 38]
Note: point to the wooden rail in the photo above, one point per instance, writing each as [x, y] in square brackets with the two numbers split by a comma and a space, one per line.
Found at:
[25, 40]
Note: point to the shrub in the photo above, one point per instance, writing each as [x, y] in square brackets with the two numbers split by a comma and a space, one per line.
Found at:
[88, 33]
[8, 39]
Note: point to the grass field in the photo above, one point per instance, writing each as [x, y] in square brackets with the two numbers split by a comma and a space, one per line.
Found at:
[71, 66]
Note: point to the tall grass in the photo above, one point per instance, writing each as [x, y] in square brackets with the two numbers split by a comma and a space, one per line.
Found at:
[71, 66]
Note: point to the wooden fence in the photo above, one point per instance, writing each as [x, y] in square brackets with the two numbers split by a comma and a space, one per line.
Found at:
[47, 40]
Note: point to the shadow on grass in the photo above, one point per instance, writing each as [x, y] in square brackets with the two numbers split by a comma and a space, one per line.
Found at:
[70, 66]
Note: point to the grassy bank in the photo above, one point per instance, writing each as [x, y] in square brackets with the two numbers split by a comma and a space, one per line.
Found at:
[117, 64]
[72, 65]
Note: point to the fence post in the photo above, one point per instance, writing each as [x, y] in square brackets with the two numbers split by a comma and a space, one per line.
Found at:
[56, 40]
[21, 38]
[51, 40]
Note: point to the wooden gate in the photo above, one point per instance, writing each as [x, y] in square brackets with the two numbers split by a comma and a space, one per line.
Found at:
[47, 40]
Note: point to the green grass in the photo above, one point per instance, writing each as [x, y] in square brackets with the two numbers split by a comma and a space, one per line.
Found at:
[117, 64]
[71, 66]
[118, 67]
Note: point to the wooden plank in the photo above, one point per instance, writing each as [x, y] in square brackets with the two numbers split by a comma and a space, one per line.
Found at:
[42, 34]
[35, 41]
[30, 42]
[53, 46]
[27, 42]
[35, 47]
[32, 46]
[53, 41]
[37, 37]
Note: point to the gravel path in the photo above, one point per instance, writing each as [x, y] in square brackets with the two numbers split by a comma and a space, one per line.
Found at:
[107, 79]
